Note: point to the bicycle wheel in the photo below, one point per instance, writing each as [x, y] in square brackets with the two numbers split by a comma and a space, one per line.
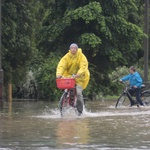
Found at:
[121, 100]
[63, 104]
[145, 97]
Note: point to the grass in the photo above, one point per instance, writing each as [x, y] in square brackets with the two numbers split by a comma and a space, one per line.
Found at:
[110, 97]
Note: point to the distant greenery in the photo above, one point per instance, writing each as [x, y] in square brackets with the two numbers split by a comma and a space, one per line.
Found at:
[46, 78]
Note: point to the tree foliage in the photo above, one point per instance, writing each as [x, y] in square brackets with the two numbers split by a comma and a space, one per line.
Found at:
[17, 38]
[46, 78]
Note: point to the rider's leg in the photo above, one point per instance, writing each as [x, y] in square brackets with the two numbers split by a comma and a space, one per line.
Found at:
[131, 92]
[137, 92]
[79, 104]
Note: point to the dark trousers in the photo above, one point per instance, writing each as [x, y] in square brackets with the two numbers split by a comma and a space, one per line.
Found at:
[135, 91]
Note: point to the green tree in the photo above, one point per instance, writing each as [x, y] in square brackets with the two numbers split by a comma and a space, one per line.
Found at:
[46, 78]
[19, 24]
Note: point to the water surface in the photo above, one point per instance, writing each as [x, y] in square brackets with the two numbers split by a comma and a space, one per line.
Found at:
[39, 126]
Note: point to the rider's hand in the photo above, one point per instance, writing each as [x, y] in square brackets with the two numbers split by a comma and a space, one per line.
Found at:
[58, 76]
[135, 87]
[120, 80]
[77, 75]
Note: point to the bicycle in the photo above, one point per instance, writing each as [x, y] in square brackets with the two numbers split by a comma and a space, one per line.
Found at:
[69, 97]
[144, 95]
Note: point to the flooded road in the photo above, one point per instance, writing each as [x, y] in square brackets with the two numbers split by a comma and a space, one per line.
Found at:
[38, 126]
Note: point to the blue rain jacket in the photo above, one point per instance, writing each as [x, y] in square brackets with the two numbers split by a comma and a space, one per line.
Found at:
[134, 79]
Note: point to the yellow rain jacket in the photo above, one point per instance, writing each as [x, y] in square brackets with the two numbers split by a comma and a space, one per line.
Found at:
[74, 64]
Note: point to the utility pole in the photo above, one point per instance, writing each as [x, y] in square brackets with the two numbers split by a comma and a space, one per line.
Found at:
[1, 70]
[146, 41]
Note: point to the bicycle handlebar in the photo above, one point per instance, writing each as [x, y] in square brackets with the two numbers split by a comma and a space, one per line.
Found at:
[73, 76]
[125, 83]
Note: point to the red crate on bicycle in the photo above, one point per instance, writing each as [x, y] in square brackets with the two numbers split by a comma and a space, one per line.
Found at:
[65, 83]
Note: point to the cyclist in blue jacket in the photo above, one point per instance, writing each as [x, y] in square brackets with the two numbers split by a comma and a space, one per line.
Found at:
[135, 82]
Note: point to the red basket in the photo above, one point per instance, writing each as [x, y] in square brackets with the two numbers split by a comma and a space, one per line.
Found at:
[65, 83]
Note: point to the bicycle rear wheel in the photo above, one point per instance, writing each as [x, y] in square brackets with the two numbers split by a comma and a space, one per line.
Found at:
[145, 97]
[121, 100]
[63, 104]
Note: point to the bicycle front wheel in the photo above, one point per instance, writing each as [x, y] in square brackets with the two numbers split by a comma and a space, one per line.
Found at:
[145, 97]
[63, 103]
[121, 100]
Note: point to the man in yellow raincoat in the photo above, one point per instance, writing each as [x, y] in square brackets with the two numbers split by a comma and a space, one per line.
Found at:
[75, 63]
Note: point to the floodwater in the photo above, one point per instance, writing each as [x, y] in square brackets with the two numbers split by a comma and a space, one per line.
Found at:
[38, 126]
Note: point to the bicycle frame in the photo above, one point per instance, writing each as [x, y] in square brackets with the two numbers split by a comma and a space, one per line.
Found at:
[71, 95]
[126, 89]
[67, 100]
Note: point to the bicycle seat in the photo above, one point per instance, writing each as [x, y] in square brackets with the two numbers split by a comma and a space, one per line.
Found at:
[143, 86]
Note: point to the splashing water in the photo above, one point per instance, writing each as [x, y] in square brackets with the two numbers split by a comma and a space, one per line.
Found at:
[111, 111]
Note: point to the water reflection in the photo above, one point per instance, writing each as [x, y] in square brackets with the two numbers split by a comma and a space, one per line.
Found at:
[38, 126]
[10, 108]
[72, 132]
